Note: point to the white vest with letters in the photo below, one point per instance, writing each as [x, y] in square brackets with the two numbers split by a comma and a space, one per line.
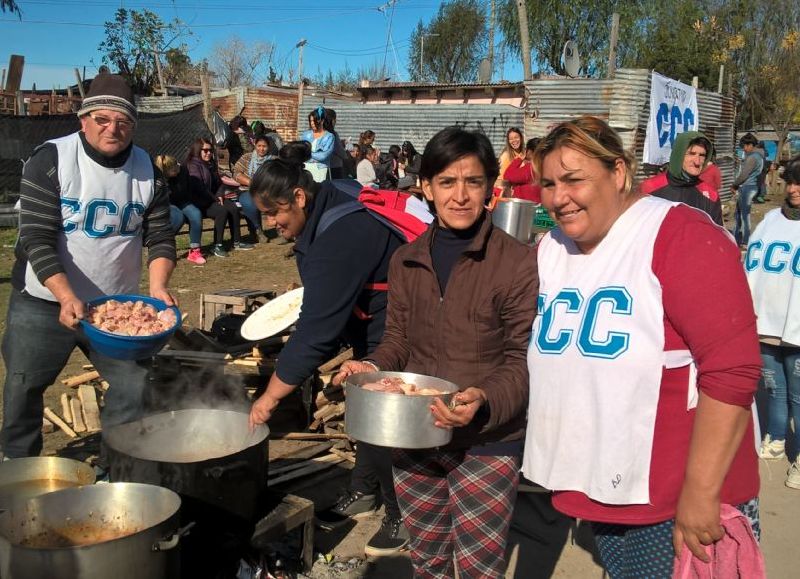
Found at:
[772, 264]
[596, 358]
[102, 209]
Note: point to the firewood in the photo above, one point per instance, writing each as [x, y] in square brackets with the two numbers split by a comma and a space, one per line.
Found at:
[330, 411]
[66, 409]
[91, 412]
[55, 419]
[81, 379]
[47, 426]
[348, 456]
[309, 436]
[333, 363]
[88, 367]
[78, 425]
[104, 385]
[301, 464]
[256, 353]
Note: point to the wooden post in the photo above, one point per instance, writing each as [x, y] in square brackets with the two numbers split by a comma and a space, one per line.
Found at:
[721, 77]
[80, 83]
[301, 84]
[20, 108]
[695, 82]
[157, 56]
[612, 45]
[524, 39]
[206, 89]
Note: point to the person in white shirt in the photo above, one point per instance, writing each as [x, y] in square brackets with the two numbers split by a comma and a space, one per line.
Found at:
[365, 170]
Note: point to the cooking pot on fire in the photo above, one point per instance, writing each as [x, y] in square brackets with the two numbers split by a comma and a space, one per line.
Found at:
[208, 454]
[395, 420]
[117, 530]
[25, 478]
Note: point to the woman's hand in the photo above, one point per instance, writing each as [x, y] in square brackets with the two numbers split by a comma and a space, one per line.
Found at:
[262, 410]
[465, 406]
[697, 523]
[352, 367]
[163, 294]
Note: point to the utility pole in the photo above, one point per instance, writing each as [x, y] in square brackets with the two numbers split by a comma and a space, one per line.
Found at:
[524, 39]
[389, 4]
[491, 40]
[300, 85]
[721, 77]
[157, 56]
[612, 46]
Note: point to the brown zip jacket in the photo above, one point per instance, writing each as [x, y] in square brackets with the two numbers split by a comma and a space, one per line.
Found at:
[477, 334]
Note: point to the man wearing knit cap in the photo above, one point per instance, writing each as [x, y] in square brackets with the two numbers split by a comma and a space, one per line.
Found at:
[89, 203]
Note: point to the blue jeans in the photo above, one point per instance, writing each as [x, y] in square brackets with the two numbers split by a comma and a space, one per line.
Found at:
[743, 204]
[179, 216]
[781, 378]
[35, 349]
[251, 213]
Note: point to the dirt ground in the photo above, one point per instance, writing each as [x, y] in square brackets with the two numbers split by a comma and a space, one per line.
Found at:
[266, 267]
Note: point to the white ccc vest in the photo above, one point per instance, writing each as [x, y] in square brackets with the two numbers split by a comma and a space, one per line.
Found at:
[102, 209]
[595, 359]
[772, 264]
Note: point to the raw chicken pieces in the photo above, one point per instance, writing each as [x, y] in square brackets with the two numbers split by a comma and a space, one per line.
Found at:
[397, 386]
[130, 318]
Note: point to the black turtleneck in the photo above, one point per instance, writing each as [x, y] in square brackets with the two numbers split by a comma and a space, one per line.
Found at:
[448, 245]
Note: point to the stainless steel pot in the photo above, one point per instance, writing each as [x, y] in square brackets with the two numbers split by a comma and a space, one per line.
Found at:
[395, 420]
[211, 455]
[515, 217]
[25, 478]
[117, 530]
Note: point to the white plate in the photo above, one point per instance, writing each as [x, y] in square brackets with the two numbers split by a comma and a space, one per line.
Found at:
[274, 316]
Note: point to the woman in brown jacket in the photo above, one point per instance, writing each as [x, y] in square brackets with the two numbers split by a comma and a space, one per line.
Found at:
[462, 300]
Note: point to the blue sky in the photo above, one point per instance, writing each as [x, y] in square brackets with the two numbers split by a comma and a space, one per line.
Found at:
[56, 36]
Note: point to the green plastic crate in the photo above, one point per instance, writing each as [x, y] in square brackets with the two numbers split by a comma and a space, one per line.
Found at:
[542, 219]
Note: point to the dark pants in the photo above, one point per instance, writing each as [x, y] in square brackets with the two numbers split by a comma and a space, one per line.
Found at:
[35, 349]
[222, 214]
[373, 473]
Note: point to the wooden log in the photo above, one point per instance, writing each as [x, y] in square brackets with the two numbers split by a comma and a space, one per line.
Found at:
[81, 379]
[78, 425]
[309, 436]
[305, 471]
[301, 464]
[348, 456]
[47, 426]
[55, 419]
[256, 353]
[66, 409]
[333, 363]
[91, 412]
[104, 385]
[330, 411]
[88, 367]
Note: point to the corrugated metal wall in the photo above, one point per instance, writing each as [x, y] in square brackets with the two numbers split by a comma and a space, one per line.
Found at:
[625, 103]
[417, 123]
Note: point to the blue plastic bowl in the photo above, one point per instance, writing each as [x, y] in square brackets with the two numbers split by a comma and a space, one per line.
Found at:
[129, 347]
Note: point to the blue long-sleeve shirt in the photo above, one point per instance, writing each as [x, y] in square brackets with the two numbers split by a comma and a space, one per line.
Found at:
[323, 148]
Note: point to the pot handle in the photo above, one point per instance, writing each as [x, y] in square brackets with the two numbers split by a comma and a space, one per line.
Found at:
[217, 472]
[172, 541]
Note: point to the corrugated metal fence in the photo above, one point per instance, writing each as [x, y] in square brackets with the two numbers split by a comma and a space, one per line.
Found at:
[417, 123]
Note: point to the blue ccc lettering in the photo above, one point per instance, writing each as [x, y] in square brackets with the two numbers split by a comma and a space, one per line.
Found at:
[97, 207]
[672, 117]
[776, 257]
[551, 340]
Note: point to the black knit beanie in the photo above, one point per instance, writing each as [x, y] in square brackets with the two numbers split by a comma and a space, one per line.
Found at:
[109, 92]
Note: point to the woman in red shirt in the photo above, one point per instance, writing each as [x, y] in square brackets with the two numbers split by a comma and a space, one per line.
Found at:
[521, 176]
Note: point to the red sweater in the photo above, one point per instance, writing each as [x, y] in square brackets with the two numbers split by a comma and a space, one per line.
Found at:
[708, 310]
[521, 178]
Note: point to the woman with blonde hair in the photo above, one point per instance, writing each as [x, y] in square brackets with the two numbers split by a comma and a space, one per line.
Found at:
[181, 207]
[514, 149]
[641, 377]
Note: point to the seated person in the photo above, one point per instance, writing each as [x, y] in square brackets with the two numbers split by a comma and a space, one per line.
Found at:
[365, 170]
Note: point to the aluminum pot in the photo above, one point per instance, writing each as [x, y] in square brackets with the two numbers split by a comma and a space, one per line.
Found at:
[208, 454]
[515, 217]
[116, 530]
[25, 478]
[395, 420]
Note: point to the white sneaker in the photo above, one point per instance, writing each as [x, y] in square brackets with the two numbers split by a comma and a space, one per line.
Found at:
[793, 475]
[772, 449]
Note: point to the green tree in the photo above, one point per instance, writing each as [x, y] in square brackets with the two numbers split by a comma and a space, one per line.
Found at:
[178, 68]
[454, 44]
[134, 39]
[552, 22]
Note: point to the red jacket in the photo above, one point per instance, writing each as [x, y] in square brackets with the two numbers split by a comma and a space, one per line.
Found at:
[523, 181]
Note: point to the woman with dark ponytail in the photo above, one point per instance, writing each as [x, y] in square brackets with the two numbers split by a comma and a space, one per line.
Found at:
[343, 255]
[323, 143]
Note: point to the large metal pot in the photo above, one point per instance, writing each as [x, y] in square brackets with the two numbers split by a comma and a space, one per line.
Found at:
[395, 420]
[117, 530]
[211, 455]
[25, 478]
[515, 217]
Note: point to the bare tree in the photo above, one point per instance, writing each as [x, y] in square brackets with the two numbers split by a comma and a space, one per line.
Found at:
[10, 6]
[238, 63]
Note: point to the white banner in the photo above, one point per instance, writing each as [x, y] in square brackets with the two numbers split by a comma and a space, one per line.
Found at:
[673, 110]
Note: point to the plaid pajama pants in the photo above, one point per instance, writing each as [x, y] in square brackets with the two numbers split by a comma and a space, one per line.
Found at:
[457, 509]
